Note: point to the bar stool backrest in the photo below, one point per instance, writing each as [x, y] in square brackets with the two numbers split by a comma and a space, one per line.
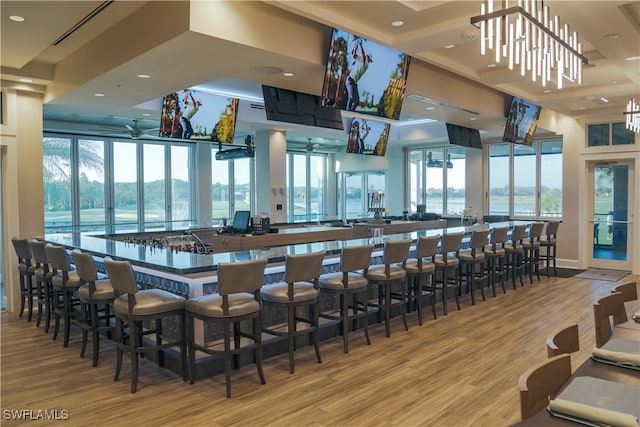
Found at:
[552, 228]
[85, 266]
[536, 231]
[58, 258]
[499, 236]
[355, 258]
[39, 254]
[122, 276]
[396, 251]
[245, 276]
[518, 234]
[303, 267]
[427, 247]
[23, 250]
[479, 239]
[451, 242]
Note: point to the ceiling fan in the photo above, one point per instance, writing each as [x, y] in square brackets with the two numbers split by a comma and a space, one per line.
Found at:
[311, 146]
[134, 131]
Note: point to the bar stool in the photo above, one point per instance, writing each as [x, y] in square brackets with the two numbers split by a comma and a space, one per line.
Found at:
[531, 246]
[351, 286]
[43, 275]
[133, 307]
[65, 283]
[96, 297]
[447, 262]
[471, 263]
[299, 289]
[238, 299]
[385, 276]
[514, 254]
[420, 273]
[26, 270]
[548, 241]
[495, 255]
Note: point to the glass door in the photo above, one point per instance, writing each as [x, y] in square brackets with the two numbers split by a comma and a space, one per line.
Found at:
[612, 207]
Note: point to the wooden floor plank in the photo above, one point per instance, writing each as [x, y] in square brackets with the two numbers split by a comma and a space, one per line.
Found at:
[461, 369]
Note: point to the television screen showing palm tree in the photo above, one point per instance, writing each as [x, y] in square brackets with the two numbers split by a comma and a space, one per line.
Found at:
[368, 137]
[197, 115]
[364, 76]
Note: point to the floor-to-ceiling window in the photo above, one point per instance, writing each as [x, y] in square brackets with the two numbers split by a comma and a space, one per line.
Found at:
[362, 194]
[231, 186]
[306, 177]
[437, 179]
[95, 183]
[525, 181]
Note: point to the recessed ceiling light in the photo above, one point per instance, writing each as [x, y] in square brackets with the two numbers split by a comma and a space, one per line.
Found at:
[26, 80]
[98, 94]
[16, 18]
[430, 108]
[491, 65]
[146, 114]
[144, 76]
[472, 118]
[450, 46]
[611, 36]
[547, 91]
[288, 74]
[397, 23]
[614, 82]
[604, 100]
[633, 58]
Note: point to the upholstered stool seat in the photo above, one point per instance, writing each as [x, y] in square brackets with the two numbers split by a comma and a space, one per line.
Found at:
[135, 308]
[103, 291]
[351, 285]
[237, 300]
[279, 292]
[391, 273]
[420, 274]
[298, 290]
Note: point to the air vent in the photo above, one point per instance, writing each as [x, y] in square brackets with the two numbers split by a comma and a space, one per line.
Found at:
[256, 106]
[83, 21]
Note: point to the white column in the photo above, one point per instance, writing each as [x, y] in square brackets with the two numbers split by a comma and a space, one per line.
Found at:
[271, 174]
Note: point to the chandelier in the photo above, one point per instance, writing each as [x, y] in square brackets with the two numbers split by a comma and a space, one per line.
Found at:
[633, 116]
[524, 34]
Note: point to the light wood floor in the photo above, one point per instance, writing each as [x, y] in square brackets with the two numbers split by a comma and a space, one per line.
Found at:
[459, 370]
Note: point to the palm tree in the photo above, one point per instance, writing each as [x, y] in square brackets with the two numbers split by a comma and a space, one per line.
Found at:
[56, 158]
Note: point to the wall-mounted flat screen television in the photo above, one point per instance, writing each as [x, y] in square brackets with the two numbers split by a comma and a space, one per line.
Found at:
[464, 136]
[522, 120]
[364, 76]
[197, 115]
[288, 106]
[368, 137]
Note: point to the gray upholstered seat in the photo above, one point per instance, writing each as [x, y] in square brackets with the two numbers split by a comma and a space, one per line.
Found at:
[279, 292]
[391, 273]
[420, 274]
[351, 285]
[211, 305]
[237, 300]
[137, 308]
[96, 302]
[299, 289]
[65, 283]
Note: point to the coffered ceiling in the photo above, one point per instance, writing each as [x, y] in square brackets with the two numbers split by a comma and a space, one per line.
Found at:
[73, 49]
